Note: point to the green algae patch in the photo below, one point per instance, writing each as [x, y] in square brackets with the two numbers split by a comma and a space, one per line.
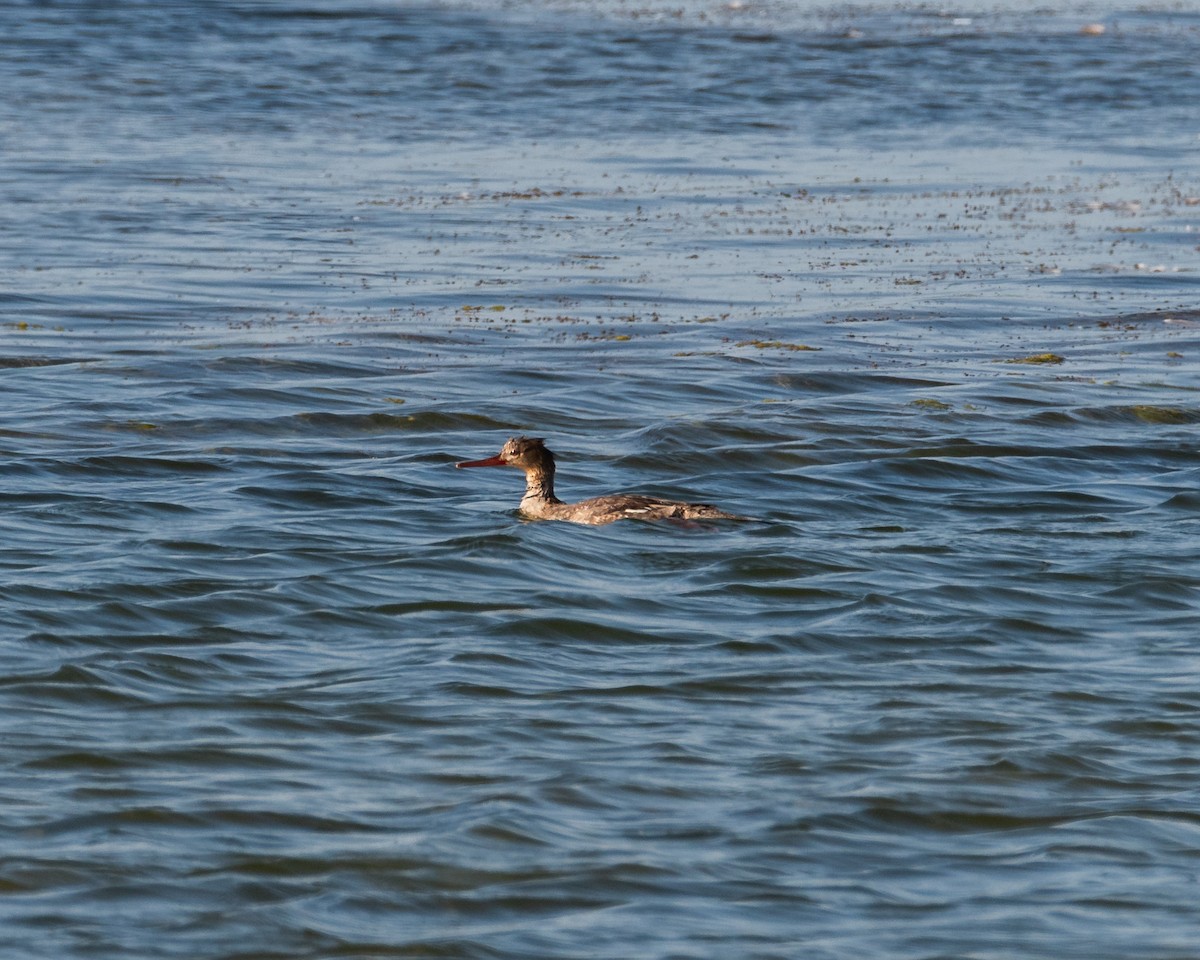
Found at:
[774, 345]
[928, 403]
[1042, 358]
[1149, 413]
[604, 335]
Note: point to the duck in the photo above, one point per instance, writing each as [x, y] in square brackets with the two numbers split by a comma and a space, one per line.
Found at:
[534, 458]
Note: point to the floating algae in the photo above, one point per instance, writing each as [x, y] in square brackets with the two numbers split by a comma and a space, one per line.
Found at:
[928, 403]
[1153, 414]
[774, 345]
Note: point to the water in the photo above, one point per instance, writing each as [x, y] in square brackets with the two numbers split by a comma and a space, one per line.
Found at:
[916, 289]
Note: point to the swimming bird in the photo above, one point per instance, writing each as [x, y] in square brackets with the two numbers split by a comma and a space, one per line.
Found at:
[539, 503]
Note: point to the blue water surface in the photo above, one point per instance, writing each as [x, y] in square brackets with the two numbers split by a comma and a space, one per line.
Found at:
[915, 289]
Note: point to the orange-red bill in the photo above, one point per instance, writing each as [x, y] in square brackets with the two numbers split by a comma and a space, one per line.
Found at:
[496, 461]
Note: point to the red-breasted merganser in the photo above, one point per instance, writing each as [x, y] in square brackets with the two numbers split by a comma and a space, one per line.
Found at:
[540, 503]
